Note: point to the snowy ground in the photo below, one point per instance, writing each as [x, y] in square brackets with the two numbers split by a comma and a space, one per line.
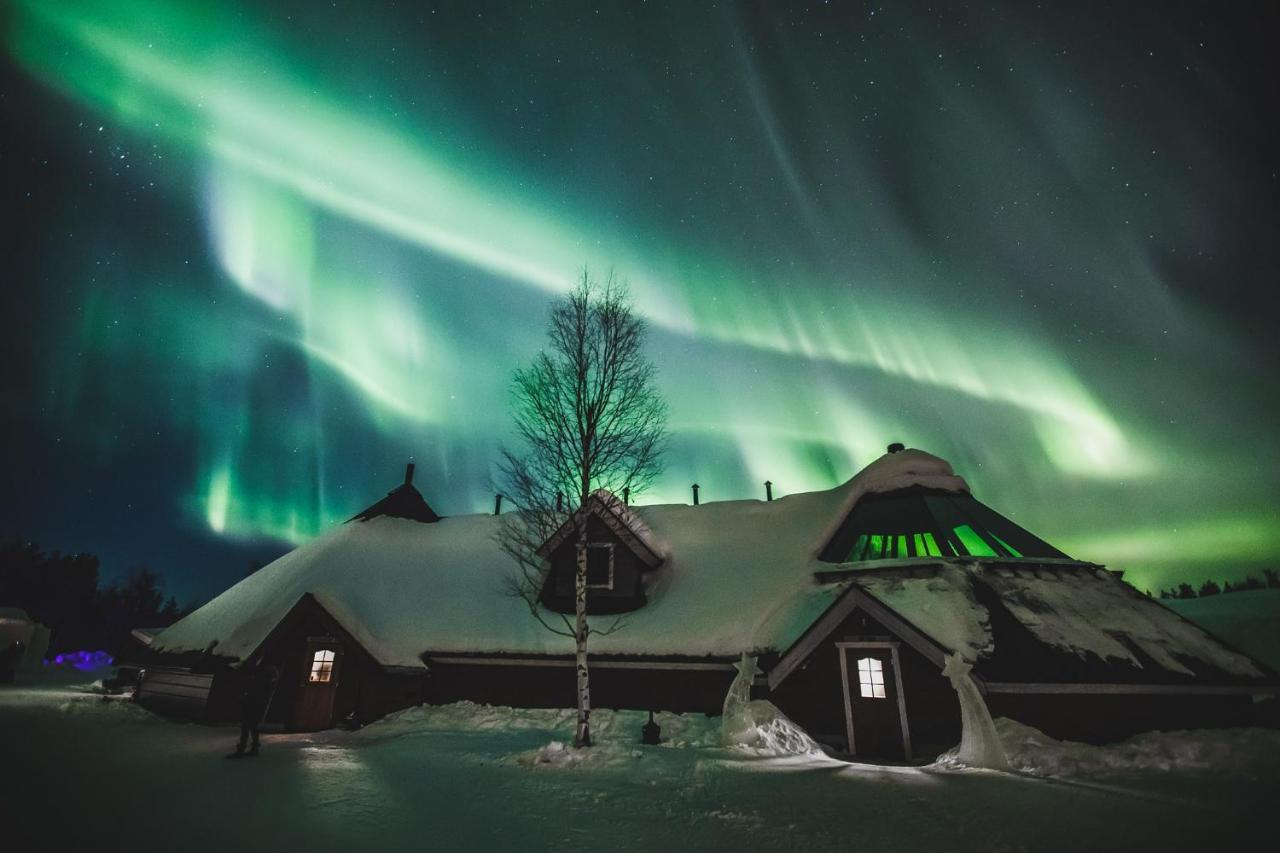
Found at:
[80, 770]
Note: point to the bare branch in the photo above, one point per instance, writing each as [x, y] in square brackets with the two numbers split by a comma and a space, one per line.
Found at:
[617, 624]
[588, 416]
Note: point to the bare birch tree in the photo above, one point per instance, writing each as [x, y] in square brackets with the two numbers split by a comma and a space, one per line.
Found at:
[589, 417]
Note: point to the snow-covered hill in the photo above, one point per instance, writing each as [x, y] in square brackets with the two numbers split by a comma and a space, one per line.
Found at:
[1250, 620]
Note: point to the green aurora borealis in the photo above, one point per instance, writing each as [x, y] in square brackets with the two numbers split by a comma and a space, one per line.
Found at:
[290, 248]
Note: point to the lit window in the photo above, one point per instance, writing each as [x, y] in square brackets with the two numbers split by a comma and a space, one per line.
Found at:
[871, 678]
[322, 667]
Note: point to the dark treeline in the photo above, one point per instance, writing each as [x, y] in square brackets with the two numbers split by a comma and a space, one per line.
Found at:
[1270, 580]
[62, 591]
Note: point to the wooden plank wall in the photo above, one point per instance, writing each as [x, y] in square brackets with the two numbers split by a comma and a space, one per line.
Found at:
[174, 691]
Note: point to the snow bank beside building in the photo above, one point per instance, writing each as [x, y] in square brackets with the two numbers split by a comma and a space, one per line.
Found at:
[607, 727]
[1248, 753]
[757, 726]
[763, 731]
[760, 729]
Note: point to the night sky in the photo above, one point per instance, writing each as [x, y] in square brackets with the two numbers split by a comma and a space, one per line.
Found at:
[255, 259]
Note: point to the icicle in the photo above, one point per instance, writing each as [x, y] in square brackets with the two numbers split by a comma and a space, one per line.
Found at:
[735, 701]
[979, 744]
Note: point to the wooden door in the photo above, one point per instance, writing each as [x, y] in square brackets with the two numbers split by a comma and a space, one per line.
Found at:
[321, 673]
[874, 710]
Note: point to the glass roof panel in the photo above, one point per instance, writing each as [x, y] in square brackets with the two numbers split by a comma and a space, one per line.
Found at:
[918, 523]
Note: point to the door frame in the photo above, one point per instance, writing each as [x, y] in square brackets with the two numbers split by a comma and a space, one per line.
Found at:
[842, 648]
[311, 645]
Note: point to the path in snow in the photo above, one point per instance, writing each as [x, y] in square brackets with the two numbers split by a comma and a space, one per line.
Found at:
[81, 771]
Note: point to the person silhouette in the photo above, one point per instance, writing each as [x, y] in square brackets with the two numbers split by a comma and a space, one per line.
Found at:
[259, 686]
[10, 657]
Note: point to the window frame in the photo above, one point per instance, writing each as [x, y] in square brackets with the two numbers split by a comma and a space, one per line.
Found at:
[871, 678]
[321, 671]
[609, 546]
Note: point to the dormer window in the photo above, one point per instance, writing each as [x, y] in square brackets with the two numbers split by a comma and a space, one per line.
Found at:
[600, 565]
[620, 551]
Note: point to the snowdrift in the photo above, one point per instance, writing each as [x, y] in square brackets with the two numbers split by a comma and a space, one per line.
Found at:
[606, 726]
[1248, 753]
[759, 728]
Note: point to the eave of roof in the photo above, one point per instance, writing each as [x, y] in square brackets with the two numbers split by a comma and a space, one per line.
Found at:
[847, 571]
[619, 518]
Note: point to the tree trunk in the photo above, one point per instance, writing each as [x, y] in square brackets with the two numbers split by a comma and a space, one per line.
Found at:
[582, 736]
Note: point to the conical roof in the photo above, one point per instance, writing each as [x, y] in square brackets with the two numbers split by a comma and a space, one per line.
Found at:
[404, 501]
[918, 521]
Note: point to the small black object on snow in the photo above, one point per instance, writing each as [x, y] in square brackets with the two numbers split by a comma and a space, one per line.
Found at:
[650, 732]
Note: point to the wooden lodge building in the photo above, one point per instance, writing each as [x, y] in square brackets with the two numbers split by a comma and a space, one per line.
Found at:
[852, 598]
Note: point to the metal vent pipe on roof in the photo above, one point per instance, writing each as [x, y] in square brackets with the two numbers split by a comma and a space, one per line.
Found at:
[497, 504]
[626, 496]
[695, 494]
[408, 474]
[768, 490]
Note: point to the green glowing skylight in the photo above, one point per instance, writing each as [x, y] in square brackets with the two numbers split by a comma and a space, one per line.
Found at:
[1013, 551]
[973, 543]
[918, 523]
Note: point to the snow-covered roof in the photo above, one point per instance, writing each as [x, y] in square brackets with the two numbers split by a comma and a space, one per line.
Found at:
[940, 604]
[625, 523]
[1085, 623]
[14, 614]
[145, 636]
[738, 576]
